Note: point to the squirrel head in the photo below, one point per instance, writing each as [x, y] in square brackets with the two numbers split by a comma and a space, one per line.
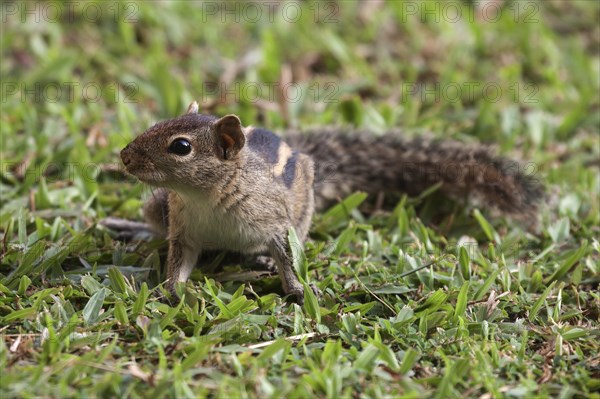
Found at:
[187, 152]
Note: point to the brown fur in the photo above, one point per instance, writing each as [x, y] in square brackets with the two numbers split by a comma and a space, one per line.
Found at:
[357, 160]
[241, 189]
[222, 195]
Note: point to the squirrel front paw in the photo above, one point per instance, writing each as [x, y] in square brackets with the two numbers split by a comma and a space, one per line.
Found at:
[170, 298]
[295, 294]
[167, 298]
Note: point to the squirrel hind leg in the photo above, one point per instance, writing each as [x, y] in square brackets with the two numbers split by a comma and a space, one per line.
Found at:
[156, 211]
[266, 263]
[127, 230]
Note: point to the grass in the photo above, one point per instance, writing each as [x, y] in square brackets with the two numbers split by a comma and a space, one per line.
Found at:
[502, 311]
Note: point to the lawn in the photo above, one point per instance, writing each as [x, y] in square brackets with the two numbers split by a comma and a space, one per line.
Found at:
[430, 298]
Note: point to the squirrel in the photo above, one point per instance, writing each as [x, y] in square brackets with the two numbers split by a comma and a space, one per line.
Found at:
[228, 187]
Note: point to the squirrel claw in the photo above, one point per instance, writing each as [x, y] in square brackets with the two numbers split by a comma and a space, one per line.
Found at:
[297, 296]
[171, 298]
[316, 290]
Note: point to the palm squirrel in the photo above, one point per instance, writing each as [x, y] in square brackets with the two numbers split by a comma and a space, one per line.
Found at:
[225, 186]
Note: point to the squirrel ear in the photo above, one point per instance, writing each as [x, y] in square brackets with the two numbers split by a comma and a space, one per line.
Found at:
[193, 108]
[230, 135]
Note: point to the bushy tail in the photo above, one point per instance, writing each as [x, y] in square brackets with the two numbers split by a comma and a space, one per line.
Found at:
[347, 162]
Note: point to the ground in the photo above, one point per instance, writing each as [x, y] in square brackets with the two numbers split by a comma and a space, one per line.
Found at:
[503, 309]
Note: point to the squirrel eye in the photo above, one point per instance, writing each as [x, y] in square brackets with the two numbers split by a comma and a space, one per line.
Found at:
[180, 147]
